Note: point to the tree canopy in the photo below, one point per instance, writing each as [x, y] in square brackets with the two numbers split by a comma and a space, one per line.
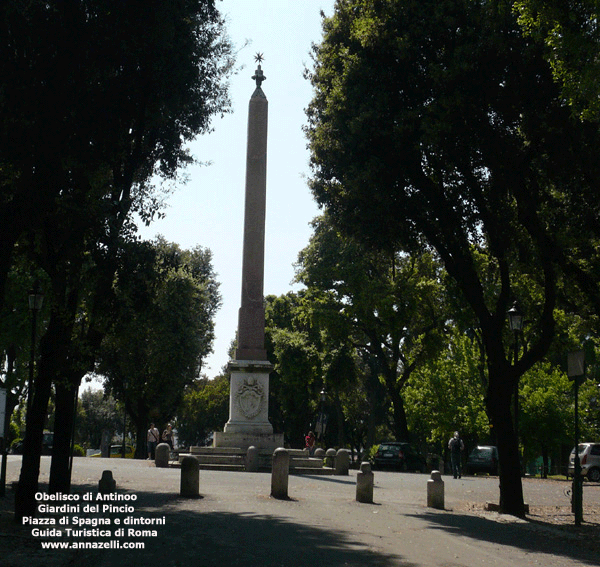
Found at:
[97, 99]
[163, 329]
[441, 121]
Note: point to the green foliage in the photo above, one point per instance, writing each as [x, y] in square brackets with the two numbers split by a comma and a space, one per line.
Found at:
[465, 142]
[447, 394]
[204, 409]
[293, 348]
[97, 412]
[389, 305]
[78, 451]
[546, 416]
[163, 328]
[570, 31]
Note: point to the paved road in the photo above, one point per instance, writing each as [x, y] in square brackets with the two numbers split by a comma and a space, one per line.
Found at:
[236, 523]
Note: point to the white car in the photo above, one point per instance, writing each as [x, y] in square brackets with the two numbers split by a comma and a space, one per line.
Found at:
[589, 456]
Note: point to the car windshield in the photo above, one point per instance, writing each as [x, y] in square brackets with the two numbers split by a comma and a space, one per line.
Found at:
[383, 448]
[481, 452]
[581, 449]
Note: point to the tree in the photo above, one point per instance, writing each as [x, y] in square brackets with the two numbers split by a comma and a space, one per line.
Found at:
[293, 346]
[70, 177]
[441, 121]
[569, 28]
[97, 412]
[448, 394]
[163, 328]
[546, 419]
[390, 305]
[204, 409]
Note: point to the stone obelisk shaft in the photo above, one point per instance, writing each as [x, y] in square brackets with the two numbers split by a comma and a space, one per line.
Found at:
[251, 323]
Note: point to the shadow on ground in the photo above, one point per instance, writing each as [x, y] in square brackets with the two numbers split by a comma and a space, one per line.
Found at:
[531, 537]
[204, 538]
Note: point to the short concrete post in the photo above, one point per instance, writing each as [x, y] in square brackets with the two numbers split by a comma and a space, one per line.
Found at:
[435, 491]
[189, 486]
[330, 458]
[280, 474]
[342, 462]
[162, 455]
[364, 484]
[107, 483]
[319, 453]
[252, 459]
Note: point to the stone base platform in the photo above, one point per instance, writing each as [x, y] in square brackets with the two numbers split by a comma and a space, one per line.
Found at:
[234, 459]
[243, 440]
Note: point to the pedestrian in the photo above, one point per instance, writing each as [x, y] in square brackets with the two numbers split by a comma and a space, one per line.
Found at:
[456, 447]
[152, 438]
[167, 436]
[310, 443]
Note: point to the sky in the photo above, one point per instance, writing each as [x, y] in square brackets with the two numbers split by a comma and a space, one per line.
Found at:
[208, 210]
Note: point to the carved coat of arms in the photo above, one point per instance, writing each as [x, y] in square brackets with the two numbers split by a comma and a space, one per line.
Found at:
[250, 395]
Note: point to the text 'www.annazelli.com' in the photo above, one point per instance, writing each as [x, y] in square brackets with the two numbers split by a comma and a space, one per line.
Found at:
[114, 544]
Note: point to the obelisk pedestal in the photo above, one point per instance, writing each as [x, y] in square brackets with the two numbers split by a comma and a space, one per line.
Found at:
[249, 388]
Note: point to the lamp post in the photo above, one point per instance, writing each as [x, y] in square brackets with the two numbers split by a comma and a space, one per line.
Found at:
[515, 322]
[321, 422]
[36, 300]
[576, 373]
[124, 419]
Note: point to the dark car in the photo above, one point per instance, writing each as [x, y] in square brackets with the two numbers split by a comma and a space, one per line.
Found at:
[47, 443]
[483, 458]
[400, 456]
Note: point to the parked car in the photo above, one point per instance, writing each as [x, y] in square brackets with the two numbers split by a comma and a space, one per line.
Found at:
[484, 458]
[47, 443]
[589, 457]
[116, 452]
[400, 456]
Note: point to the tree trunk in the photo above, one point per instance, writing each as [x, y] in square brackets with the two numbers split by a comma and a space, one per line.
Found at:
[25, 503]
[399, 413]
[60, 468]
[499, 409]
[545, 457]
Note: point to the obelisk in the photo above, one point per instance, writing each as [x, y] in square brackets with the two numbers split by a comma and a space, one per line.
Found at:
[249, 386]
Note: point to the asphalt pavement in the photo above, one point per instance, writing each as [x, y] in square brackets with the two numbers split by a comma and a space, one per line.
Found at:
[235, 522]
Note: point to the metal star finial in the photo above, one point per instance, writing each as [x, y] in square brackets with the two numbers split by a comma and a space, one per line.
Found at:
[259, 77]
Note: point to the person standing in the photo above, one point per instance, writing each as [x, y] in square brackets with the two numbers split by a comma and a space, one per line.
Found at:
[310, 443]
[167, 436]
[152, 439]
[456, 447]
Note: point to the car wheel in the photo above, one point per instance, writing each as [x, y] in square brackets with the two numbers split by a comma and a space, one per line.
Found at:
[594, 475]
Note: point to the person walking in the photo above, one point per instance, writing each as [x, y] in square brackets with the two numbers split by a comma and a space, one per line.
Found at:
[152, 439]
[456, 447]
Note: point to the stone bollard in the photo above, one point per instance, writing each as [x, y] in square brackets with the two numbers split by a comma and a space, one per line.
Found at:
[280, 474]
[252, 459]
[364, 484]
[319, 453]
[342, 462]
[330, 458]
[435, 491]
[189, 486]
[162, 455]
[107, 483]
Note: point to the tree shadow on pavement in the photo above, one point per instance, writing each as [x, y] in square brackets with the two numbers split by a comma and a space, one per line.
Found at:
[207, 538]
[523, 535]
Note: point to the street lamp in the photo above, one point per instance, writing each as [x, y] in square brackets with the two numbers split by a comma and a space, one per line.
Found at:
[321, 423]
[515, 323]
[36, 300]
[576, 373]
